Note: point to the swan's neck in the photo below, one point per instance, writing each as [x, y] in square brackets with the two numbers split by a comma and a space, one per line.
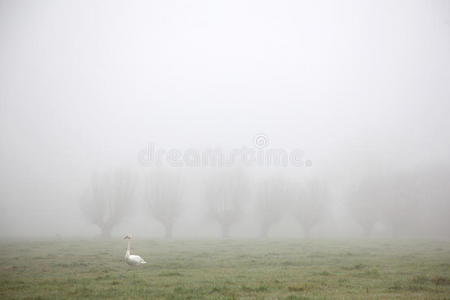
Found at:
[128, 248]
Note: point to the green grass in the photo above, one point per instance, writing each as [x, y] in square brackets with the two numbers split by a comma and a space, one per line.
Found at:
[229, 269]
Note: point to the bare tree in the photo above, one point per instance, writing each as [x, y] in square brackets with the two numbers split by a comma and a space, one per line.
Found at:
[225, 193]
[2, 217]
[435, 200]
[399, 201]
[364, 204]
[164, 192]
[310, 203]
[271, 197]
[108, 200]
[391, 198]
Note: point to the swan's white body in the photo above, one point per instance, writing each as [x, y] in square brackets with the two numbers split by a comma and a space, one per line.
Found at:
[132, 260]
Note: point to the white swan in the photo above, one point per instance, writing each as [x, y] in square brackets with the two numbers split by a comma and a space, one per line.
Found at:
[132, 260]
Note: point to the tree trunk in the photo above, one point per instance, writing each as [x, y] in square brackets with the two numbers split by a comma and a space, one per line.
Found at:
[265, 230]
[367, 230]
[225, 230]
[307, 230]
[105, 232]
[395, 232]
[168, 230]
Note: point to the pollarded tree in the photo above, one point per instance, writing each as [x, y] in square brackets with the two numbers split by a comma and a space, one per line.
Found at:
[390, 198]
[399, 201]
[164, 192]
[3, 222]
[310, 203]
[435, 200]
[363, 204]
[225, 194]
[108, 200]
[271, 198]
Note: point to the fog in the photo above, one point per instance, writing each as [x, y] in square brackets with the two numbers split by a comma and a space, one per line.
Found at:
[355, 95]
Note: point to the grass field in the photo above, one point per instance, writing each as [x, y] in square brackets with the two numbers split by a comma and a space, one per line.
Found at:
[229, 269]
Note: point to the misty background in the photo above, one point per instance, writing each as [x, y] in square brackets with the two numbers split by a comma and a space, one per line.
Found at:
[362, 87]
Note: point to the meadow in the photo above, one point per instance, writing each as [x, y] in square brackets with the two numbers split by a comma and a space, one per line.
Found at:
[226, 269]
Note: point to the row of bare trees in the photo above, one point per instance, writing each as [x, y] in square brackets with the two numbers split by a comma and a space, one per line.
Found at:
[307, 201]
[406, 202]
[227, 193]
[402, 201]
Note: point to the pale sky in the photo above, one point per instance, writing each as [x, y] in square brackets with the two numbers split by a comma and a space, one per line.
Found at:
[87, 84]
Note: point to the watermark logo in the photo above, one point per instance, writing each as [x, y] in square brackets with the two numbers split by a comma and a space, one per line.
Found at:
[261, 140]
[258, 155]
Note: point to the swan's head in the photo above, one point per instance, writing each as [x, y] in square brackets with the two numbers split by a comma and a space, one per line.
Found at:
[127, 237]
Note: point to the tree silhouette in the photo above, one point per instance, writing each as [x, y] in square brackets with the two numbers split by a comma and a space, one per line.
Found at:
[310, 203]
[108, 200]
[164, 192]
[225, 193]
[271, 197]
